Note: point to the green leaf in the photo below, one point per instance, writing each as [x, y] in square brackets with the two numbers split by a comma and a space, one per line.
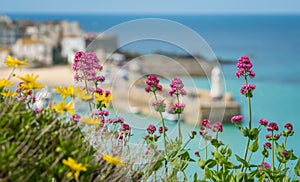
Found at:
[207, 172]
[245, 131]
[297, 168]
[253, 133]
[210, 163]
[195, 177]
[278, 152]
[201, 163]
[254, 146]
[242, 160]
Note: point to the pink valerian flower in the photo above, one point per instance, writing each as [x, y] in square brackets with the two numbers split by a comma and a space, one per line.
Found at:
[152, 83]
[205, 124]
[236, 119]
[289, 126]
[217, 127]
[125, 129]
[275, 137]
[120, 137]
[267, 145]
[86, 65]
[75, 118]
[119, 120]
[244, 66]
[285, 153]
[178, 108]
[102, 112]
[177, 87]
[272, 126]
[160, 129]
[247, 90]
[151, 129]
[203, 132]
[263, 122]
[264, 166]
[37, 110]
[159, 105]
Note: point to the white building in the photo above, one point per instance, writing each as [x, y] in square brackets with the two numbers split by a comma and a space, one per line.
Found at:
[35, 51]
[70, 45]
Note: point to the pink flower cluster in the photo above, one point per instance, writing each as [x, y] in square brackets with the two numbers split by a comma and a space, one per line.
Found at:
[288, 126]
[274, 137]
[264, 166]
[159, 105]
[267, 145]
[236, 119]
[160, 129]
[86, 66]
[24, 95]
[247, 89]
[205, 126]
[151, 129]
[153, 84]
[217, 127]
[178, 108]
[125, 129]
[75, 118]
[272, 126]
[244, 66]
[177, 87]
[263, 122]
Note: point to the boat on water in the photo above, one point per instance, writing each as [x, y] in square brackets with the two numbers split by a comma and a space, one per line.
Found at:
[170, 116]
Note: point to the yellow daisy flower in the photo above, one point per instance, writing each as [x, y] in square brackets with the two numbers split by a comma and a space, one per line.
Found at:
[90, 121]
[113, 160]
[77, 167]
[104, 99]
[65, 91]
[14, 62]
[30, 82]
[5, 83]
[8, 93]
[62, 107]
[81, 94]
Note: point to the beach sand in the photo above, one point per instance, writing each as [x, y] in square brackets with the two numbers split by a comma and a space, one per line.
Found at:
[48, 76]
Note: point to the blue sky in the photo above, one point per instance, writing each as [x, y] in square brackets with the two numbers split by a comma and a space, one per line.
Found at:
[151, 6]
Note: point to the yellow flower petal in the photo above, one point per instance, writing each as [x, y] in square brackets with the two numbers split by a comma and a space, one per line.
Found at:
[62, 107]
[8, 93]
[65, 91]
[113, 160]
[81, 94]
[5, 83]
[14, 62]
[90, 121]
[29, 82]
[77, 167]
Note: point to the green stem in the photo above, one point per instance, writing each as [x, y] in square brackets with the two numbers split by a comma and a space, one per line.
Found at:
[246, 152]
[179, 128]
[11, 73]
[249, 160]
[87, 90]
[206, 151]
[273, 152]
[164, 138]
[250, 113]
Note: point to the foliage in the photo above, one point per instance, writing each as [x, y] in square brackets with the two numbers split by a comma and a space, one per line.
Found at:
[56, 143]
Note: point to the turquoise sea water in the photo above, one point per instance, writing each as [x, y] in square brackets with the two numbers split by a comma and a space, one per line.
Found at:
[272, 41]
